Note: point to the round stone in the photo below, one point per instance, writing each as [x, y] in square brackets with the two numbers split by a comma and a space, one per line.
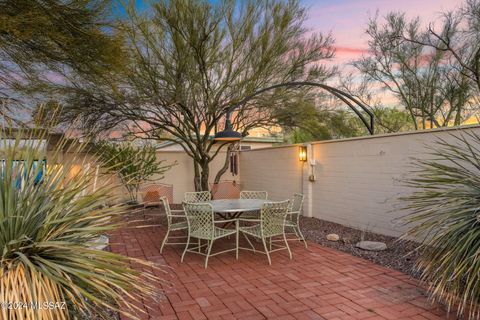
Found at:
[333, 237]
[371, 245]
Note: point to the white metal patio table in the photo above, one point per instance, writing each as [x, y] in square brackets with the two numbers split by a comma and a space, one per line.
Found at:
[233, 208]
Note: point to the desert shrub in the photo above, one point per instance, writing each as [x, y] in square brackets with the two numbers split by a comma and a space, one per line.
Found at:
[49, 217]
[132, 164]
[444, 215]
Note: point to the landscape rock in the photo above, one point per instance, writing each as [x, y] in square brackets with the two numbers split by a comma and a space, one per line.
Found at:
[371, 245]
[333, 237]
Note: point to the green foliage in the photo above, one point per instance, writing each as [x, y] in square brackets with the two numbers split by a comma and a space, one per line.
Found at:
[47, 229]
[306, 122]
[389, 120]
[48, 45]
[132, 164]
[445, 216]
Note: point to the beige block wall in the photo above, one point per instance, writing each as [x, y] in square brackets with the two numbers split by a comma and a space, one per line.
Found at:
[358, 181]
[275, 170]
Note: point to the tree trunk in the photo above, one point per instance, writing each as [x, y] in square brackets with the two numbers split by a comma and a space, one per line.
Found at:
[196, 177]
[225, 164]
[204, 175]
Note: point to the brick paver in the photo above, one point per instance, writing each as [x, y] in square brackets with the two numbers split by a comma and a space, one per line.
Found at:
[319, 283]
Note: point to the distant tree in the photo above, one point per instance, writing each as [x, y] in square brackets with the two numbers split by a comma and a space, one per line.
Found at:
[390, 120]
[459, 36]
[434, 91]
[307, 121]
[132, 164]
[46, 45]
[191, 60]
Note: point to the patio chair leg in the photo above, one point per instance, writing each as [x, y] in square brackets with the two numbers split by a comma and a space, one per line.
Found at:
[164, 240]
[296, 232]
[270, 243]
[186, 248]
[250, 243]
[286, 244]
[199, 245]
[236, 239]
[266, 251]
[210, 244]
[302, 238]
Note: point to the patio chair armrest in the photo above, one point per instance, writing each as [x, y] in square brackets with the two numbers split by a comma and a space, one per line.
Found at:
[293, 213]
[250, 220]
[223, 221]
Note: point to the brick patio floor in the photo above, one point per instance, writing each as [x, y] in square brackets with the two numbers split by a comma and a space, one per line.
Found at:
[319, 283]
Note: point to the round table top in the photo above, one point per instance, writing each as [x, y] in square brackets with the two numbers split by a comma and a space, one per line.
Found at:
[237, 205]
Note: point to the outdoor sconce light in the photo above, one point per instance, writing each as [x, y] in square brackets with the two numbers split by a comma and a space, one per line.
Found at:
[302, 155]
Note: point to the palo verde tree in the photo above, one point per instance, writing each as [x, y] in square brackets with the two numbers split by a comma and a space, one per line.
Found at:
[458, 35]
[45, 46]
[191, 60]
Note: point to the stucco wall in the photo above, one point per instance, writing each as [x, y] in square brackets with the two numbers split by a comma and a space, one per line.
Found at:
[275, 170]
[357, 180]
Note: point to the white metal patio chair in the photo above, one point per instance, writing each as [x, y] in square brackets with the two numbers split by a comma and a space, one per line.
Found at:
[172, 225]
[246, 194]
[197, 197]
[254, 195]
[271, 224]
[202, 226]
[293, 218]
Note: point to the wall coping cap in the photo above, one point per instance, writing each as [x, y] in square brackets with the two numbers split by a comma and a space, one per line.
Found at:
[379, 136]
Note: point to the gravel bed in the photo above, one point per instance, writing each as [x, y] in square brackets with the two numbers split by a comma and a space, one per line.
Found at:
[399, 255]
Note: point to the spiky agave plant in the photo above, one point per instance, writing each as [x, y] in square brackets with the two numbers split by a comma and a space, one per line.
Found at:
[445, 216]
[49, 218]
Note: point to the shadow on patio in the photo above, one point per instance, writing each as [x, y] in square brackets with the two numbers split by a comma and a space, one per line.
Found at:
[319, 283]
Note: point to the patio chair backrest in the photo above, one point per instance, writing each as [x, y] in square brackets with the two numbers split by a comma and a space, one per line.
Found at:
[254, 195]
[200, 219]
[297, 203]
[273, 216]
[198, 197]
[168, 212]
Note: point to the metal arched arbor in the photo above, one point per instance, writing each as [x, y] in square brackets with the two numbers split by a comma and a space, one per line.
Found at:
[348, 99]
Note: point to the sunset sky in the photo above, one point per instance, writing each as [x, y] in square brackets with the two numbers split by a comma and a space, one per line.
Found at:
[347, 19]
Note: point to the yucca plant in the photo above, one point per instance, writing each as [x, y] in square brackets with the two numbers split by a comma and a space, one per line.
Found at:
[445, 217]
[49, 217]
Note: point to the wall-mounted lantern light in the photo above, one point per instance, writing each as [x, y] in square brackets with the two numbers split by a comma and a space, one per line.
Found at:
[302, 155]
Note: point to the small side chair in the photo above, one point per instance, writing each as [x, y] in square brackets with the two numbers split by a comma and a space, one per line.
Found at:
[172, 226]
[271, 224]
[293, 217]
[198, 197]
[202, 226]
